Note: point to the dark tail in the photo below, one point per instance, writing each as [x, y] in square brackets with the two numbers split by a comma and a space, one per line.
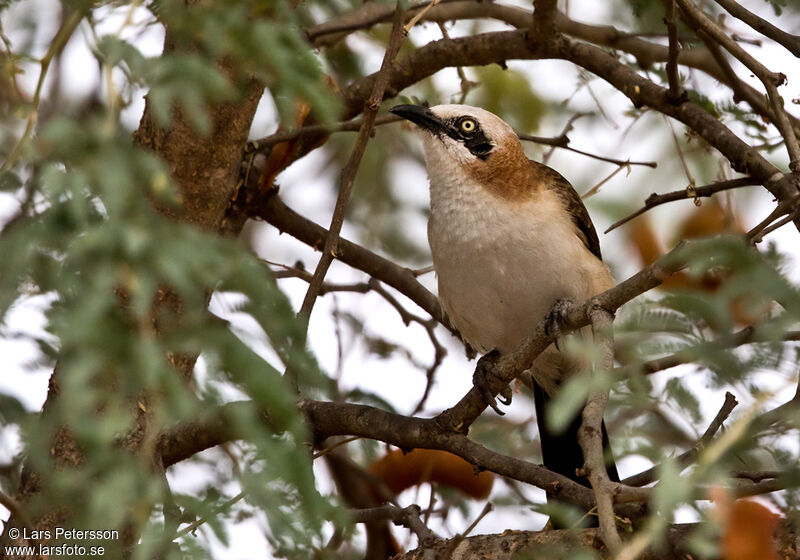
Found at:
[561, 452]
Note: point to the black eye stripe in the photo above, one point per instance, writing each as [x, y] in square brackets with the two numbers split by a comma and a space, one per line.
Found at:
[475, 140]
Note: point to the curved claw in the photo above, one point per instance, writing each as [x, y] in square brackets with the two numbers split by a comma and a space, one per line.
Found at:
[480, 379]
[505, 396]
[556, 318]
[493, 405]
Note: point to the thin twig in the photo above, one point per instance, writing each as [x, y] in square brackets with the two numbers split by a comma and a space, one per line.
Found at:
[615, 161]
[608, 177]
[789, 41]
[19, 514]
[262, 145]
[272, 209]
[409, 517]
[681, 157]
[771, 80]
[676, 93]
[349, 172]
[785, 207]
[564, 136]
[59, 41]
[705, 191]
[563, 140]
[406, 316]
[439, 351]
[326, 450]
[777, 225]
[779, 413]
[687, 457]
[424, 270]
[419, 15]
[484, 512]
[466, 83]
[195, 524]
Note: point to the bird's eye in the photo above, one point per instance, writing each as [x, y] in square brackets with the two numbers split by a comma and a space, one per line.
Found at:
[468, 125]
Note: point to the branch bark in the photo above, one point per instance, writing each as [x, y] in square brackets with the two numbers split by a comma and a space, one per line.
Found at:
[789, 41]
[771, 80]
[590, 435]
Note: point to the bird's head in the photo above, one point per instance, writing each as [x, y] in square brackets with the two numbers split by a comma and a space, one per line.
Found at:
[469, 142]
[463, 133]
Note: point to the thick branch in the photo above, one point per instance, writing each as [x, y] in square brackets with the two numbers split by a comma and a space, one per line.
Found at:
[645, 52]
[538, 544]
[497, 47]
[327, 419]
[544, 18]
[641, 91]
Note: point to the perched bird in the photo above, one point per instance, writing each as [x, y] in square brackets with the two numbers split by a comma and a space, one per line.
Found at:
[510, 238]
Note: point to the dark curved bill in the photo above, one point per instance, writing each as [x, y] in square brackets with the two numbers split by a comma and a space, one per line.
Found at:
[422, 117]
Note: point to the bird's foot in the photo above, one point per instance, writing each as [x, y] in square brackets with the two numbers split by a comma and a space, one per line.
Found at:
[556, 319]
[482, 378]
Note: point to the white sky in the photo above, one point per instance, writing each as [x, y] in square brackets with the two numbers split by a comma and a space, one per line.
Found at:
[395, 379]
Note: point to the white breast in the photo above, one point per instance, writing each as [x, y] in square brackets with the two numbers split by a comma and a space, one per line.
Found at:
[501, 264]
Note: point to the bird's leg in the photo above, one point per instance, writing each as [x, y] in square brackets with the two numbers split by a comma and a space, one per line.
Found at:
[481, 379]
[557, 319]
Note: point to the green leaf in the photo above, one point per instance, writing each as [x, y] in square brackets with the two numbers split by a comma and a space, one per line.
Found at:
[11, 409]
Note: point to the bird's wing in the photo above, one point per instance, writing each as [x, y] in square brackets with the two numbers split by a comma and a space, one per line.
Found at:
[553, 180]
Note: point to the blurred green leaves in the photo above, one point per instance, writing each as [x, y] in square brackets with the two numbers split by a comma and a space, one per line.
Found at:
[255, 39]
[131, 287]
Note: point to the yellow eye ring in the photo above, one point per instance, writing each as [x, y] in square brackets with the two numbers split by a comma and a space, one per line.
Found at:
[468, 125]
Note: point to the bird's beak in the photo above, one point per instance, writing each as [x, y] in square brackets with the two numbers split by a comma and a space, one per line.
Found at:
[422, 117]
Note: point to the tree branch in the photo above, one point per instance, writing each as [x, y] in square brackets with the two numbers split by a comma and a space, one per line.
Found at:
[538, 544]
[563, 142]
[497, 47]
[271, 209]
[646, 53]
[700, 21]
[439, 351]
[789, 41]
[747, 335]
[705, 191]
[686, 458]
[408, 517]
[590, 433]
[351, 167]
[328, 419]
[676, 92]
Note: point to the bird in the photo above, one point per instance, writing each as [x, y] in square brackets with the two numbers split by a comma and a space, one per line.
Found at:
[510, 239]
